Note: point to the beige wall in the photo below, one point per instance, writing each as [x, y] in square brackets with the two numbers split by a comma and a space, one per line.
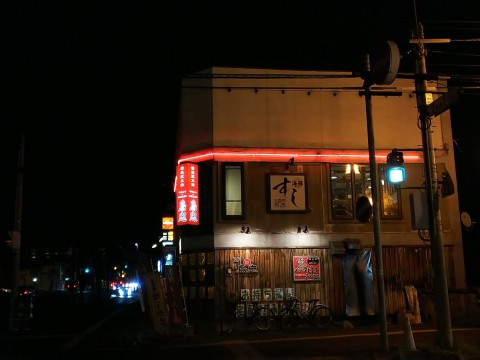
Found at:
[319, 113]
[295, 113]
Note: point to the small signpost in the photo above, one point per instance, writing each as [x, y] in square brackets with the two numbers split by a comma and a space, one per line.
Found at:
[443, 103]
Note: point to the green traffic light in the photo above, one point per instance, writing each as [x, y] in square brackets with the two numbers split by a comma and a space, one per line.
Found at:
[395, 169]
[396, 175]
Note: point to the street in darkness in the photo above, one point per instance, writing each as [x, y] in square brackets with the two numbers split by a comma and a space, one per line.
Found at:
[120, 329]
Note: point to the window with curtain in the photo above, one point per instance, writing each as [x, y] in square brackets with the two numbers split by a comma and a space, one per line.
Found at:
[232, 191]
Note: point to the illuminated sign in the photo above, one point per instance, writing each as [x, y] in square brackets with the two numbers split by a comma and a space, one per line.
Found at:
[306, 268]
[167, 223]
[284, 155]
[187, 194]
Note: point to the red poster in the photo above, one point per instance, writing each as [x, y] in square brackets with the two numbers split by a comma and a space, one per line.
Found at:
[187, 195]
[306, 268]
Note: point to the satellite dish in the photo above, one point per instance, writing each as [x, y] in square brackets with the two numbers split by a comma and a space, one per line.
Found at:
[363, 209]
[466, 219]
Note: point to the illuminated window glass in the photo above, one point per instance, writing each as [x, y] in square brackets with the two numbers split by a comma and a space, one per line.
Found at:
[183, 260]
[347, 183]
[210, 258]
[193, 275]
[201, 292]
[350, 181]
[201, 274]
[390, 198]
[193, 292]
[211, 292]
[232, 191]
[201, 258]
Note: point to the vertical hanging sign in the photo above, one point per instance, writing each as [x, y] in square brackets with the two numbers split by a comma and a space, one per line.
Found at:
[187, 195]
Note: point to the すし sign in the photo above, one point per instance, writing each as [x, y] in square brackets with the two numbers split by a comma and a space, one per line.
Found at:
[287, 193]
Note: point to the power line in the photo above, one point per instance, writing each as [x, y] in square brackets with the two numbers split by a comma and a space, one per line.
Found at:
[453, 53]
[270, 76]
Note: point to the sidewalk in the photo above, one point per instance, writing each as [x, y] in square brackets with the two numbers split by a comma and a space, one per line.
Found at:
[364, 340]
[130, 328]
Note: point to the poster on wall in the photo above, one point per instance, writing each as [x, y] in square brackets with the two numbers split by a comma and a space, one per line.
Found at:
[267, 294]
[306, 268]
[245, 295]
[289, 293]
[279, 294]
[287, 193]
[186, 193]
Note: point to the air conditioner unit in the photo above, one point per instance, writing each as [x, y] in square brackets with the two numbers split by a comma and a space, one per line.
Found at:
[337, 248]
[419, 210]
[353, 244]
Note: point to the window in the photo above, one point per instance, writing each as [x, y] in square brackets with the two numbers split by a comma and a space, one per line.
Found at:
[232, 191]
[350, 181]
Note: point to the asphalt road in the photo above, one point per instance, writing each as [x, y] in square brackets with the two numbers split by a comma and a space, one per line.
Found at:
[120, 330]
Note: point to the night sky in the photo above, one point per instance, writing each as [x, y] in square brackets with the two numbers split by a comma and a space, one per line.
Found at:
[94, 86]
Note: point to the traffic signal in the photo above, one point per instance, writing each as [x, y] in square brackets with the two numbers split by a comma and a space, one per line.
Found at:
[169, 255]
[395, 169]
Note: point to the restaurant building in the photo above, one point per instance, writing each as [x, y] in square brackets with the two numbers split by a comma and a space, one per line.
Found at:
[271, 167]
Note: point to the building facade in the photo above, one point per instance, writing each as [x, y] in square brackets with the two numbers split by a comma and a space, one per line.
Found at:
[283, 192]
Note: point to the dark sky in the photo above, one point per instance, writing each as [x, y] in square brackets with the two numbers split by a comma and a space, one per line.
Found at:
[94, 87]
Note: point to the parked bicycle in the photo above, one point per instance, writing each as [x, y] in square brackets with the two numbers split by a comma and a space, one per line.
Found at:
[261, 316]
[312, 312]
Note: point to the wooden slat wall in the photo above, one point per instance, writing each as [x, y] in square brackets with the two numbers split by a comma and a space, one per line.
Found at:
[410, 266]
[276, 271]
[402, 266]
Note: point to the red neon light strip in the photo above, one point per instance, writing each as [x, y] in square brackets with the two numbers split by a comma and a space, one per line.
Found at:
[275, 155]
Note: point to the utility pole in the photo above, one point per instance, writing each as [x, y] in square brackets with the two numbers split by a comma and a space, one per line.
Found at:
[376, 207]
[444, 337]
[16, 235]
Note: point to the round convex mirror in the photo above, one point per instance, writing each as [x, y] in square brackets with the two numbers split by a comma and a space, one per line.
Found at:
[466, 219]
[363, 209]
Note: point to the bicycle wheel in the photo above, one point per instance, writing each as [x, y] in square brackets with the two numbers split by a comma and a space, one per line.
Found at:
[227, 324]
[263, 318]
[279, 316]
[321, 316]
[288, 319]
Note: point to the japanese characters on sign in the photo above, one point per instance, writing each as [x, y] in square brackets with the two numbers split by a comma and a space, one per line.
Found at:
[245, 267]
[306, 268]
[287, 193]
[187, 195]
[167, 223]
[266, 294]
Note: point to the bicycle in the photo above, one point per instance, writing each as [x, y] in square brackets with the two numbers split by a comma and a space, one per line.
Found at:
[261, 316]
[312, 312]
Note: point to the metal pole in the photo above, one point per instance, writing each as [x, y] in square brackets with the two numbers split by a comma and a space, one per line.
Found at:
[376, 207]
[16, 234]
[444, 336]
